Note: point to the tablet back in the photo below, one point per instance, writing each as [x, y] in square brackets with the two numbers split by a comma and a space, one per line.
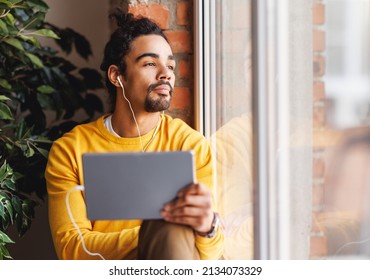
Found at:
[123, 186]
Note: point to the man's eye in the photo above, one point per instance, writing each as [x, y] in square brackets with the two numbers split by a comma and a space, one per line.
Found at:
[171, 67]
[150, 64]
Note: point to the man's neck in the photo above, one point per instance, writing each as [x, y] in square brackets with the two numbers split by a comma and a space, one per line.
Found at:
[124, 124]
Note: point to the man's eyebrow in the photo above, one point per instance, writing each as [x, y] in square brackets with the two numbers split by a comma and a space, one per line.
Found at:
[154, 55]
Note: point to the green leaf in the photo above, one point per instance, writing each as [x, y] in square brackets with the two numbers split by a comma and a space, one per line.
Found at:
[35, 60]
[38, 4]
[5, 4]
[8, 3]
[29, 152]
[14, 2]
[42, 151]
[3, 28]
[17, 204]
[31, 39]
[3, 97]
[28, 207]
[3, 197]
[10, 184]
[45, 89]
[4, 252]
[46, 33]
[15, 43]
[10, 19]
[8, 206]
[3, 172]
[5, 84]
[5, 113]
[6, 177]
[4, 238]
[2, 212]
[35, 21]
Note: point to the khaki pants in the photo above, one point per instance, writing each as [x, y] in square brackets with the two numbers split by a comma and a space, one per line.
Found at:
[160, 240]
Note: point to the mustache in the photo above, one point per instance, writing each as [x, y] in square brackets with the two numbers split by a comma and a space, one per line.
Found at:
[153, 86]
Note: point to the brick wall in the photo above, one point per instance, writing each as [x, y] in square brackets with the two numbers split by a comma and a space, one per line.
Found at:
[318, 238]
[175, 17]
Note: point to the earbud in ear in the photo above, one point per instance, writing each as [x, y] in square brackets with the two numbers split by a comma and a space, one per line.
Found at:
[119, 81]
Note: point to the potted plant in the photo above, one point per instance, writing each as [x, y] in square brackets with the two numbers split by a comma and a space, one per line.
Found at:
[36, 85]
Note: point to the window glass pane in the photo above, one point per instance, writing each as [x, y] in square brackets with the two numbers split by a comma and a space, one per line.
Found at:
[341, 204]
[232, 135]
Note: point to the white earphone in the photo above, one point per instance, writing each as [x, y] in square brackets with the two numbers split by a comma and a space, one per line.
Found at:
[119, 81]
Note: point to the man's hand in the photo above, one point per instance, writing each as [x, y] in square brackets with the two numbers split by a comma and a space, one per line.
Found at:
[192, 207]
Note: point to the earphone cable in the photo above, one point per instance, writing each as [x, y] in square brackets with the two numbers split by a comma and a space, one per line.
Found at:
[132, 112]
[80, 188]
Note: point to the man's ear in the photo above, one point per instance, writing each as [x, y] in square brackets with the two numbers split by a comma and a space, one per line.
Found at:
[113, 74]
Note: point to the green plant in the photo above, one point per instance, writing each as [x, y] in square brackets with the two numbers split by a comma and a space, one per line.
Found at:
[37, 87]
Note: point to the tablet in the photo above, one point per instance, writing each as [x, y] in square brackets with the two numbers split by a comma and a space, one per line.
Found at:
[124, 186]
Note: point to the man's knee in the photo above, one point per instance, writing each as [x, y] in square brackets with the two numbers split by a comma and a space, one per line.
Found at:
[162, 240]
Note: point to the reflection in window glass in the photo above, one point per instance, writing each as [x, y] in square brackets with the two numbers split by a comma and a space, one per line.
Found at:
[232, 135]
[343, 217]
[348, 62]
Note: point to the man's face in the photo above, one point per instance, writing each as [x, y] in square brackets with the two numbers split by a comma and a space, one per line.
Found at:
[149, 77]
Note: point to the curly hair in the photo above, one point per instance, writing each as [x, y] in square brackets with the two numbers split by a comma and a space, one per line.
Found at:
[128, 29]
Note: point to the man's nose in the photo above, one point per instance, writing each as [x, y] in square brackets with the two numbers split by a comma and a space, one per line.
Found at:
[165, 73]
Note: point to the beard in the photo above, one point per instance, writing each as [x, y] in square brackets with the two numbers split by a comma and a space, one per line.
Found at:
[154, 103]
[157, 104]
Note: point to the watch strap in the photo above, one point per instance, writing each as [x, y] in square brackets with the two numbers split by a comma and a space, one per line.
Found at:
[214, 227]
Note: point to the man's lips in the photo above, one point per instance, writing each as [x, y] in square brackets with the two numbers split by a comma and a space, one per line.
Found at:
[162, 88]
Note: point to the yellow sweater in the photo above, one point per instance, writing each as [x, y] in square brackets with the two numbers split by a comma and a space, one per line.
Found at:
[114, 239]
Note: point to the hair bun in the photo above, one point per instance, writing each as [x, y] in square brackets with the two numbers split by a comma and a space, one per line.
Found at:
[122, 19]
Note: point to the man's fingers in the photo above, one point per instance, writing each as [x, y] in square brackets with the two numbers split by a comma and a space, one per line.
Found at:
[190, 216]
[186, 211]
[203, 201]
[194, 189]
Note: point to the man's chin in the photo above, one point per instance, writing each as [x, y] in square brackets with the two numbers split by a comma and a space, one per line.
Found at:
[157, 106]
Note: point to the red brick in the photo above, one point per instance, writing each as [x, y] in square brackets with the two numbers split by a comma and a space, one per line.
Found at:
[318, 14]
[318, 167]
[158, 13]
[180, 41]
[318, 246]
[317, 226]
[318, 91]
[181, 98]
[317, 196]
[184, 69]
[319, 117]
[318, 40]
[318, 66]
[182, 13]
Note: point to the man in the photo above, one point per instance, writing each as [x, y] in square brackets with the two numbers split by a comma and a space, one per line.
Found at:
[139, 67]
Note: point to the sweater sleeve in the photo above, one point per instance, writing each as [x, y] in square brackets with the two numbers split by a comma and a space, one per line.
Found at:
[62, 175]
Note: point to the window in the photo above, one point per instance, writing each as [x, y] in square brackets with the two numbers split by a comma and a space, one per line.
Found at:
[342, 212]
[259, 129]
[224, 92]
[284, 97]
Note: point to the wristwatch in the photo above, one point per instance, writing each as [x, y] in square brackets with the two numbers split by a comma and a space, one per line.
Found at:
[213, 230]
